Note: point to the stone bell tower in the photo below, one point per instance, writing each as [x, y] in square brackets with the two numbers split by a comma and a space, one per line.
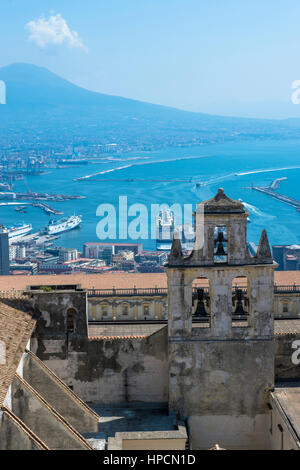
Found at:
[221, 364]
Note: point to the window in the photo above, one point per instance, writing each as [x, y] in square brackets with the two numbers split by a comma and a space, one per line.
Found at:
[71, 312]
[125, 310]
[104, 310]
[146, 310]
[285, 307]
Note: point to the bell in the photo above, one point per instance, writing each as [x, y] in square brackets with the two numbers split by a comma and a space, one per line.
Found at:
[220, 238]
[239, 309]
[200, 310]
[220, 250]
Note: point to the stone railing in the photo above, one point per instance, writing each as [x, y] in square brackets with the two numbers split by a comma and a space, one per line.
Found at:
[294, 288]
[127, 292]
[287, 289]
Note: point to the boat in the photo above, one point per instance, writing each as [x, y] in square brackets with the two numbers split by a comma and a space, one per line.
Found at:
[165, 225]
[63, 225]
[21, 209]
[18, 231]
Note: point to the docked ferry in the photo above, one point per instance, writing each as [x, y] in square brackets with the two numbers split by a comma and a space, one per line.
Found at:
[63, 225]
[18, 231]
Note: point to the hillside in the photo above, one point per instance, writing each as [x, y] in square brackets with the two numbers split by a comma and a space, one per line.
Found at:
[41, 103]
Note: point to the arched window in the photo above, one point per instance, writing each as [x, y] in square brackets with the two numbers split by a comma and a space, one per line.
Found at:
[146, 310]
[104, 310]
[71, 312]
[124, 309]
[285, 305]
[240, 298]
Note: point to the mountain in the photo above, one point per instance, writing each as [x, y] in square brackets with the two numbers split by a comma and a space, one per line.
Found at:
[40, 103]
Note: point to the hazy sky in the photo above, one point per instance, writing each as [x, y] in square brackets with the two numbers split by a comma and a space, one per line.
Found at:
[235, 57]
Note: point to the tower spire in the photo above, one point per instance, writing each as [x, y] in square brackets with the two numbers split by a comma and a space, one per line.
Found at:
[176, 250]
[263, 250]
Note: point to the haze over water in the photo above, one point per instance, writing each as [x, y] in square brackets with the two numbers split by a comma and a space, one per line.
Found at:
[231, 166]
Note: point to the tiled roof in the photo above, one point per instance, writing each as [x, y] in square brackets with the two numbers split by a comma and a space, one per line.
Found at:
[126, 331]
[287, 327]
[87, 281]
[92, 338]
[18, 422]
[15, 331]
[114, 279]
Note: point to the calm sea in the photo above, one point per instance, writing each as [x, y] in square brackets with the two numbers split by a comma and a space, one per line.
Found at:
[231, 166]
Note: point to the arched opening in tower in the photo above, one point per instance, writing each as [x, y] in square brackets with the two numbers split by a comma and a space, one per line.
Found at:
[201, 298]
[240, 297]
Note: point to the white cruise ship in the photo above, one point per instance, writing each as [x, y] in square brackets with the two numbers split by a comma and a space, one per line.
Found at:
[165, 226]
[63, 225]
[164, 229]
[18, 231]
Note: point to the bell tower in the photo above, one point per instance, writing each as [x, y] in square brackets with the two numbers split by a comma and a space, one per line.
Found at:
[221, 345]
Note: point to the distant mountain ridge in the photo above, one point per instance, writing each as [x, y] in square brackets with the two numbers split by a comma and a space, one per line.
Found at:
[39, 101]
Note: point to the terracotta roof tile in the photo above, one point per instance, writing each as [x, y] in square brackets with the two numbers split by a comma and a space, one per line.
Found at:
[114, 279]
[92, 338]
[15, 331]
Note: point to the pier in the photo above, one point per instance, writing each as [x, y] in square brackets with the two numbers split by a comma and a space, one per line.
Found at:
[270, 191]
[41, 205]
[47, 208]
[137, 180]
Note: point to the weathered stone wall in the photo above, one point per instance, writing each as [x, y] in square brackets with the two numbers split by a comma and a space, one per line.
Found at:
[58, 395]
[230, 432]
[50, 310]
[12, 436]
[99, 370]
[112, 370]
[41, 420]
[221, 377]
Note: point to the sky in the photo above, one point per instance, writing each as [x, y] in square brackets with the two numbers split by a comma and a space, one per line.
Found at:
[230, 57]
